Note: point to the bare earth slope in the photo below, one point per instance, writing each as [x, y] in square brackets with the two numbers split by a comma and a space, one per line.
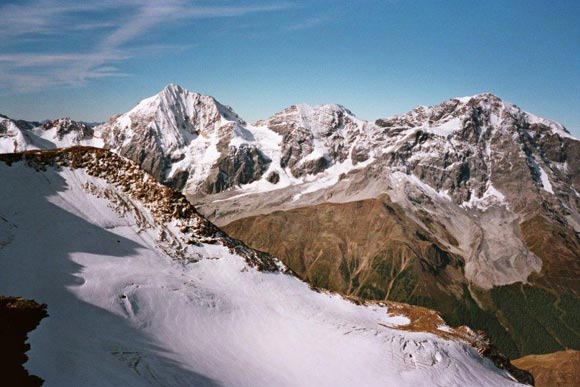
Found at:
[559, 369]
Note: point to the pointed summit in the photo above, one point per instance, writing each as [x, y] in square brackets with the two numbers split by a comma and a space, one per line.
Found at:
[173, 87]
[174, 135]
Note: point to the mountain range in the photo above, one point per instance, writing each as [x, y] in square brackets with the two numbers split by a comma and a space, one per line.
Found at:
[469, 207]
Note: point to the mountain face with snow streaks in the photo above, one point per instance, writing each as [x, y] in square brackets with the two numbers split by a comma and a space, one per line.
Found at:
[159, 295]
[477, 177]
[182, 139]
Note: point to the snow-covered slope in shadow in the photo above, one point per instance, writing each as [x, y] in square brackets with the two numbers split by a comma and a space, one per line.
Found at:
[142, 292]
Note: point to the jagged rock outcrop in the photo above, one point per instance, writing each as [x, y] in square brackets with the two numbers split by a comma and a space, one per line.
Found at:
[18, 317]
[164, 203]
[240, 165]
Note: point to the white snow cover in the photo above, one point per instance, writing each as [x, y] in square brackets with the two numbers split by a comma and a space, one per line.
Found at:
[315, 119]
[555, 126]
[12, 139]
[45, 138]
[446, 125]
[545, 181]
[124, 313]
[490, 197]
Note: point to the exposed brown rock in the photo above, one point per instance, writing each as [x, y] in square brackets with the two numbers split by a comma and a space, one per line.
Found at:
[367, 249]
[273, 177]
[558, 369]
[559, 249]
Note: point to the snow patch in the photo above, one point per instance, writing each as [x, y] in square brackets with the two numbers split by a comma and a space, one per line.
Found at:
[545, 181]
[490, 197]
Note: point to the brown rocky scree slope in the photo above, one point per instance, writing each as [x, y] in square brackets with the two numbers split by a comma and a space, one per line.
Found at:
[559, 369]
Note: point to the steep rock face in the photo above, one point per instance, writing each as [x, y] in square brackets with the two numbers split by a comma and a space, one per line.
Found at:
[314, 137]
[240, 165]
[472, 146]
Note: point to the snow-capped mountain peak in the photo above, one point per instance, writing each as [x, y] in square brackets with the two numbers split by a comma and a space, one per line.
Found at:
[12, 138]
[487, 109]
[176, 135]
[179, 109]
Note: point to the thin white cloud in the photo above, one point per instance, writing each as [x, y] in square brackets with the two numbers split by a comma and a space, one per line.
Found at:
[108, 28]
[309, 23]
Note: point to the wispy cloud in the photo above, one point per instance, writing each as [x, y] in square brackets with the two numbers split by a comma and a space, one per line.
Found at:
[108, 29]
[310, 23]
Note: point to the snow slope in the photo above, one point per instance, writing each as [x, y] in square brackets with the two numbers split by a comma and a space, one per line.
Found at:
[12, 138]
[125, 312]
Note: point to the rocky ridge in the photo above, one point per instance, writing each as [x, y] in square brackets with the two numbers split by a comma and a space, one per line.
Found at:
[17, 318]
[178, 222]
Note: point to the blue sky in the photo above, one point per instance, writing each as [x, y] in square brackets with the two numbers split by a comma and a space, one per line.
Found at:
[378, 58]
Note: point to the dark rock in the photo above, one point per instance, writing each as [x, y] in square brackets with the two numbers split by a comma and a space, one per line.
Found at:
[17, 318]
[273, 177]
[311, 167]
[241, 165]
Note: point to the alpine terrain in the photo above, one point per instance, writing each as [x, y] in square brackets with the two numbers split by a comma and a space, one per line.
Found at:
[141, 289]
[469, 207]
